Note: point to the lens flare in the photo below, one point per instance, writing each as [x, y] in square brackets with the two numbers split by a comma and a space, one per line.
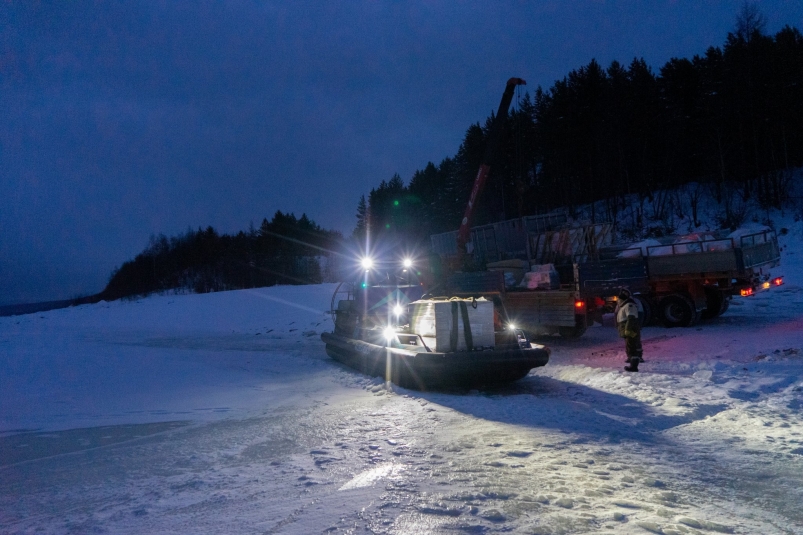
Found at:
[367, 262]
[389, 333]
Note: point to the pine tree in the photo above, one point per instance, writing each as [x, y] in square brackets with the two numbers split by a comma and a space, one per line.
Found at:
[361, 230]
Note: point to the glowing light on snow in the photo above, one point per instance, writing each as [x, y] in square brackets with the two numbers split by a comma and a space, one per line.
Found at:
[262, 295]
[368, 478]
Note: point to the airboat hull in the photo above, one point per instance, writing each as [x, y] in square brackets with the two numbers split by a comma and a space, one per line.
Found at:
[433, 370]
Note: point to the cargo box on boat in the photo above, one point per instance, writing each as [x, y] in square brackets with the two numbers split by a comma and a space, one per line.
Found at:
[442, 323]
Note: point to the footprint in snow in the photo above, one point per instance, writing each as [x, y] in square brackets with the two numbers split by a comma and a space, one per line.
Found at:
[518, 453]
[566, 503]
[627, 504]
[493, 515]
[440, 510]
[703, 524]
[653, 527]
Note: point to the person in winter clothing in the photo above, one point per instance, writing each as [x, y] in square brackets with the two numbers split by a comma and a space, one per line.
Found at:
[628, 323]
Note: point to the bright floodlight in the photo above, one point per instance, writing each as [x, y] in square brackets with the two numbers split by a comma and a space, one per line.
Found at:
[398, 310]
[512, 327]
[407, 262]
[367, 263]
[389, 333]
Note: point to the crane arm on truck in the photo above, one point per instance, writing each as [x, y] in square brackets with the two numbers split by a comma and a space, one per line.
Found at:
[490, 149]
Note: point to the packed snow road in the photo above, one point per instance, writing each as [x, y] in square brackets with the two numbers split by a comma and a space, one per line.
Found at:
[221, 413]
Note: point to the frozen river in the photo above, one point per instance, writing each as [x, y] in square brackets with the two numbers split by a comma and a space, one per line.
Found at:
[221, 413]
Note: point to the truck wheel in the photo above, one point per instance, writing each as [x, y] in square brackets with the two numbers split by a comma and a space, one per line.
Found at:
[726, 302]
[714, 303]
[677, 310]
[572, 332]
[648, 307]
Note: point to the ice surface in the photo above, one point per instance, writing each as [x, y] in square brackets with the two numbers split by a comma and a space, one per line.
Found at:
[221, 413]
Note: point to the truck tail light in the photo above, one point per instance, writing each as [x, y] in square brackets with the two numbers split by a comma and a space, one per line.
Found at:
[579, 304]
[745, 292]
[777, 281]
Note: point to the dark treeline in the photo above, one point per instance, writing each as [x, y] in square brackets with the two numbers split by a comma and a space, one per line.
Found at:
[285, 250]
[730, 120]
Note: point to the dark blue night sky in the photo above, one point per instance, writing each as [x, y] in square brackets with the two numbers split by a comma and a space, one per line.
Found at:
[119, 120]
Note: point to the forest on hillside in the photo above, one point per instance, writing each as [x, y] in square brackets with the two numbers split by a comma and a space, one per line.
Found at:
[284, 250]
[729, 120]
[726, 124]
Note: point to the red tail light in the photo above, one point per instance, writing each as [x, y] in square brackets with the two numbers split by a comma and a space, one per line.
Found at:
[777, 281]
[579, 304]
[746, 292]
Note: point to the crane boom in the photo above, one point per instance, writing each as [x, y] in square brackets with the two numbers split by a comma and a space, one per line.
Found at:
[485, 166]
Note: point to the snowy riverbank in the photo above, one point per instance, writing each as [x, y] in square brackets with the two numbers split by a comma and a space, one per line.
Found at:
[222, 413]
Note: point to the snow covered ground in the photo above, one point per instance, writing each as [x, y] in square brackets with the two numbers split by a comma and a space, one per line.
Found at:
[221, 413]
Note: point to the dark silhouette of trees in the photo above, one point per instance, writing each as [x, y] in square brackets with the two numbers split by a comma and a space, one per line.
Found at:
[730, 120]
[284, 250]
[361, 229]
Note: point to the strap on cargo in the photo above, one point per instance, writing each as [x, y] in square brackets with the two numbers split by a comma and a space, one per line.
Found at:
[453, 332]
[467, 326]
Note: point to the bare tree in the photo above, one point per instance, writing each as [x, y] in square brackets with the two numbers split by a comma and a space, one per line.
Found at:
[694, 193]
[749, 21]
